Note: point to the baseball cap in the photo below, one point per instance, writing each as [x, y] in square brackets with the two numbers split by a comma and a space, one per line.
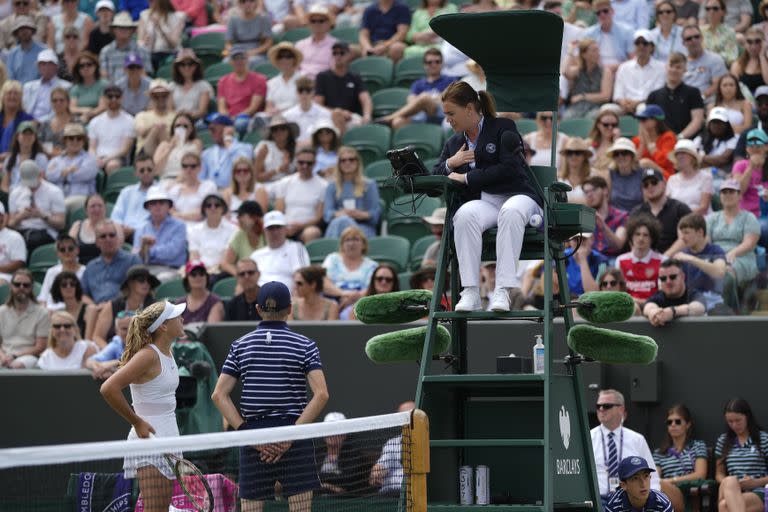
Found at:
[237, 49]
[23, 22]
[761, 91]
[193, 265]
[274, 296]
[644, 34]
[133, 59]
[651, 111]
[217, 118]
[340, 45]
[718, 114]
[250, 208]
[756, 137]
[437, 217]
[731, 185]
[26, 125]
[274, 218]
[101, 4]
[653, 173]
[47, 55]
[629, 466]
[29, 172]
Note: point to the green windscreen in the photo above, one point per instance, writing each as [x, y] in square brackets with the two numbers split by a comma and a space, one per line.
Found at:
[518, 50]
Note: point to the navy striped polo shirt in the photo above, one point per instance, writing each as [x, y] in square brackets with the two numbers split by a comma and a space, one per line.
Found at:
[674, 464]
[747, 459]
[272, 362]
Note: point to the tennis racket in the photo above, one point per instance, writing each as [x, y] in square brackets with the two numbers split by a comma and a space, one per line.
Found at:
[192, 482]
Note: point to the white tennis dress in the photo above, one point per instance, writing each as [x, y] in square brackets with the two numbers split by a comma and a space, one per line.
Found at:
[155, 403]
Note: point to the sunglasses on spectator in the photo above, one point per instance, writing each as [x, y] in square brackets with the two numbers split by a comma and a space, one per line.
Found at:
[572, 152]
[665, 11]
[676, 421]
[189, 166]
[66, 248]
[107, 235]
[140, 279]
[605, 407]
[433, 61]
[245, 273]
[545, 118]
[242, 170]
[712, 8]
[754, 41]
[755, 142]
[347, 160]
[303, 163]
[286, 55]
[338, 53]
[671, 277]
[144, 170]
[68, 284]
[71, 36]
[198, 272]
[114, 96]
[607, 283]
[17, 284]
[384, 279]
[86, 64]
[602, 11]
[74, 137]
[187, 64]
[642, 42]
[21, 4]
[317, 21]
[692, 38]
[213, 204]
[609, 125]
[650, 183]
[305, 90]
[621, 153]
[56, 327]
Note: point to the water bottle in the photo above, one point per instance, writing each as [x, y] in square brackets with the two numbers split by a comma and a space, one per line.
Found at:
[538, 355]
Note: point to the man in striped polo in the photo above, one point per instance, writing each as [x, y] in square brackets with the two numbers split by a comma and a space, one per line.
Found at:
[274, 364]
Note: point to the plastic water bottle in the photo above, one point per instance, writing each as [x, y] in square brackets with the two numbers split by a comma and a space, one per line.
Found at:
[535, 221]
[538, 355]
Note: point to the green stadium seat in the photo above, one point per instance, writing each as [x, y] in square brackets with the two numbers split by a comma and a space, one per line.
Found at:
[206, 137]
[117, 181]
[372, 141]
[252, 137]
[576, 127]
[394, 250]
[5, 290]
[418, 248]
[386, 101]
[430, 163]
[319, 248]
[348, 34]
[209, 56]
[379, 170]
[41, 259]
[225, 288]
[215, 72]
[404, 278]
[213, 105]
[408, 70]
[427, 139]
[101, 181]
[525, 125]
[629, 126]
[375, 71]
[267, 69]
[165, 72]
[403, 221]
[171, 290]
[208, 41]
[295, 34]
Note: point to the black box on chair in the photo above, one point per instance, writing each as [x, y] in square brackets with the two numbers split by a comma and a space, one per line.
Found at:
[514, 364]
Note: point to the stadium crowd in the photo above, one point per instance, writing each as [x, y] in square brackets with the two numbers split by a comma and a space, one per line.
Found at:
[193, 151]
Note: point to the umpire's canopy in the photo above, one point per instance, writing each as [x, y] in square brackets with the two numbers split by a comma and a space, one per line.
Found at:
[518, 50]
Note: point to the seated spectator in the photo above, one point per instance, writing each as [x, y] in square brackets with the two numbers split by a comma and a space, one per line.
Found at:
[309, 302]
[615, 38]
[112, 56]
[67, 295]
[84, 231]
[136, 293]
[242, 307]
[680, 458]
[585, 265]
[87, 93]
[218, 159]
[634, 490]
[69, 16]
[574, 167]
[273, 157]
[209, 238]
[751, 68]
[244, 187]
[729, 96]
[13, 250]
[241, 93]
[736, 231]
[704, 67]
[636, 78]
[387, 473]
[300, 197]
[247, 239]
[682, 104]
[107, 360]
[202, 305]
[384, 28]
[66, 348]
[655, 140]
[190, 92]
[22, 10]
[541, 140]
[11, 114]
[625, 175]
[337, 463]
[37, 93]
[161, 242]
[111, 134]
[188, 192]
[74, 170]
[668, 211]
[135, 85]
[690, 184]
[640, 266]
[160, 30]
[36, 207]
[24, 324]
[589, 84]
[183, 139]
[351, 200]
[154, 124]
[316, 48]
[668, 33]
[604, 133]
[25, 145]
[50, 133]
[719, 38]
[196, 11]
[67, 253]
[249, 29]
[21, 59]
[281, 257]
[610, 234]
[674, 298]
[306, 113]
[752, 174]
[101, 35]
[612, 280]
[741, 463]
[424, 102]
[383, 280]
[281, 89]
[349, 270]
[436, 223]
[325, 141]
[420, 35]
[129, 213]
[104, 275]
[717, 141]
[343, 92]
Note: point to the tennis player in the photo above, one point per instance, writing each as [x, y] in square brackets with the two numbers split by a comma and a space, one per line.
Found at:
[275, 365]
[148, 367]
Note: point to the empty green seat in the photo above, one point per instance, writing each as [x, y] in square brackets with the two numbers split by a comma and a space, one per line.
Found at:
[419, 248]
[388, 100]
[427, 139]
[171, 290]
[629, 126]
[41, 259]
[253, 137]
[208, 41]
[372, 141]
[206, 137]
[394, 250]
[379, 170]
[295, 34]
[375, 71]
[319, 248]
[576, 127]
[225, 288]
[525, 125]
[348, 34]
[404, 217]
[215, 72]
[408, 70]
[5, 290]
[404, 279]
[165, 72]
[267, 69]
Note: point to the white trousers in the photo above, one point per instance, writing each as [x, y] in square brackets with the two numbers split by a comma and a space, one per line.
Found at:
[511, 214]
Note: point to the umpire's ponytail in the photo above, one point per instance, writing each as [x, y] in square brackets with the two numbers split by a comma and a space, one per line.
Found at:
[462, 94]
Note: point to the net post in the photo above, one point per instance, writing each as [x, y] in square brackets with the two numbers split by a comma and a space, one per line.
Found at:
[418, 464]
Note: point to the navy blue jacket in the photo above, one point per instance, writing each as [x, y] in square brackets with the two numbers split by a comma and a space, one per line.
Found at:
[497, 170]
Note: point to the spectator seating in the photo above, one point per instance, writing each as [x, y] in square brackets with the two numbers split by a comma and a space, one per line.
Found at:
[319, 248]
[5, 290]
[79, 214]
[41, 259]
[165, 71]
[386, 101]
[294, 34]
[267, 69]
[348, 34]
[418, 248]
[576, 127]
[225, 288]
[208, 41]
[430, 163]
[408, 70]
[206, 138]
[405, 280]
[170, 290]
[375, 71]
[525, 125]
[629, 125]
[215, 72]
[379, 170]
[426, 138]
[404, 217]
[253, 137]
[118, 180]
[390, 249]
[372, 141]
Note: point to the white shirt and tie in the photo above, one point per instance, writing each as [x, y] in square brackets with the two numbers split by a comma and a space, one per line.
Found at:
[626, 443]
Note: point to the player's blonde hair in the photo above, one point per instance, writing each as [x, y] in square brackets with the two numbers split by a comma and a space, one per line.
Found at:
[138, 335]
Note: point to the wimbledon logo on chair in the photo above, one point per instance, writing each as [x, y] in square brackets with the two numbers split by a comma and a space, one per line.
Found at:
[566, 466]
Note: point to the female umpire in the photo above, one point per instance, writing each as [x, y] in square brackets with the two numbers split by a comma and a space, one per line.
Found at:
[491, 169]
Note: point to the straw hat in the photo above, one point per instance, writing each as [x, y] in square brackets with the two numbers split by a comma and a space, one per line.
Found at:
[577, 144]
[123, 20]
[685, 146]
[23, 22]
[281, 121]
[187, 54]
[284, 45]
[74, 130]
[622, 144]
[324, 124]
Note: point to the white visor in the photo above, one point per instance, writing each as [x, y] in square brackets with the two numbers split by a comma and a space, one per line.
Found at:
[170, 311]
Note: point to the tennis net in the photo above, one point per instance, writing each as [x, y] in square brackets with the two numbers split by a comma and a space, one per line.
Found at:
[376, 463]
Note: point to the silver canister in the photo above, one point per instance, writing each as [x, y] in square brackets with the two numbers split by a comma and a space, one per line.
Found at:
[482, 485]
[466, 485]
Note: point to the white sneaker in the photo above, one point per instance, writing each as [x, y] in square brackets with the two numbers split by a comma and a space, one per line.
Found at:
[470, 301]
[499, 300]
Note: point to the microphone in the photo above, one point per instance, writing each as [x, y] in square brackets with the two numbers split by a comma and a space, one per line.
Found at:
[405, 345]
[605, 307]
[609, 346]
[394, 307]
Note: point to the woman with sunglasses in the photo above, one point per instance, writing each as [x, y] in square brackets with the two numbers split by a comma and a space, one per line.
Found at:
[74, 170]
[667, 33]
[68, 55]
[68, 17]
[654, 140]
[244, 187]
[541, 140]
[603, 134]
[348, 270]
[24, 146]
[751, 68]
[351, 199]
[189, 191]
[281, 89]
[67, 292]
[680, 460]
[190, 92]
[87, 93]
[208, 240]
[625, 175]
[183, 139]
[202, 305]
[84, 231]
[574, 167]
[752, 174]
[66, 348]
[612, 281]
[719, 37]
[67, 253]
[51, 132]
[728, 95]
[160, 30]
[309, 302]
[273, 156]
[590, 85]
[383, 280]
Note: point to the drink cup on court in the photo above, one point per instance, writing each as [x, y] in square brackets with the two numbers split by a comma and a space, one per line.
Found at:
[466, 485]
[482, 485]
[349, 204]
